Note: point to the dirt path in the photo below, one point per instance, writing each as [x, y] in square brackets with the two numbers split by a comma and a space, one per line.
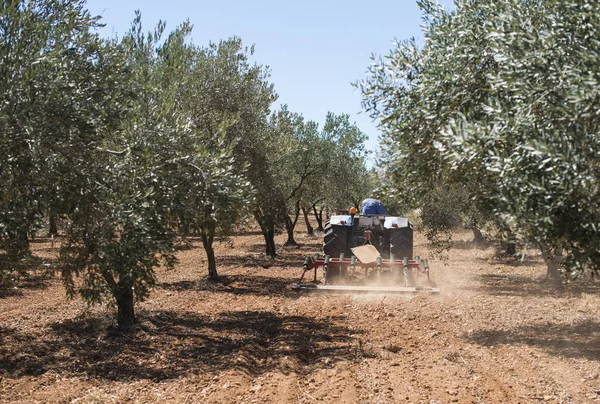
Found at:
[498, 332]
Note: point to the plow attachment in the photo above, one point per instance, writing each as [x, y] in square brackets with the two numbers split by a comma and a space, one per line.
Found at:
[384, 276]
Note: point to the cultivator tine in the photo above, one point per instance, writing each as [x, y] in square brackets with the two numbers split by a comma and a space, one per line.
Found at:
[317, 256]
[304, 268]
[426, 267]
[417, 260]
[383, 267]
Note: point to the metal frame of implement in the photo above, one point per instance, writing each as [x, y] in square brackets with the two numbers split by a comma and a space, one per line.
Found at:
[344, 264]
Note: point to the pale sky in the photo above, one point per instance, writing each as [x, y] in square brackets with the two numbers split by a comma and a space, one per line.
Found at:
[315, 49]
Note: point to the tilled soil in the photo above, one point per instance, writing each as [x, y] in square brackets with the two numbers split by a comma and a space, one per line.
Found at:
[497, 332]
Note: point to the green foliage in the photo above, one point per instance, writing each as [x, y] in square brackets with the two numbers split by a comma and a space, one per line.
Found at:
[100, 131]
[223, 86]
[318, 166]
[539, 136]
[57, 84]
[502, 98]
[137, 140]
[346, 181]
[121, 225]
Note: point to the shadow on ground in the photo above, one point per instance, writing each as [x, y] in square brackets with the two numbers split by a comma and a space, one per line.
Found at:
[237, 285]
[577, 340]
[470, 245]
[28, 282]
[516, 285]
[303, 247]
[169, 345]
[249, 261]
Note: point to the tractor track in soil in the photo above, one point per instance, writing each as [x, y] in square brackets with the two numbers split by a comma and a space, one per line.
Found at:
[497, 332]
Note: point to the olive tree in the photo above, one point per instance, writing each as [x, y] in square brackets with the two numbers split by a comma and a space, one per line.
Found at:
[155, 174]
[540, 132]
[210, 192]
[59, 91]
[225, 85]
[346, 181]
[317, 165]
[414, 93]
[498, 101]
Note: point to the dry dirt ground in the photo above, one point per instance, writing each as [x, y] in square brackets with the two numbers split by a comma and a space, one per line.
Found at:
[497, 332]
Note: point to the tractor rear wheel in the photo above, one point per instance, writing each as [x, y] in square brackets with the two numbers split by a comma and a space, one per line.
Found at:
[335, 240]
[401, 243]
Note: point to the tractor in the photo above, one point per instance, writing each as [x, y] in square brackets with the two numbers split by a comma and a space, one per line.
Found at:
[389, 235]
[366, 253]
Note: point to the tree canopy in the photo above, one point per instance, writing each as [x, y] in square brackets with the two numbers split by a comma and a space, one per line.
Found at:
[501, 100]
[136, 141]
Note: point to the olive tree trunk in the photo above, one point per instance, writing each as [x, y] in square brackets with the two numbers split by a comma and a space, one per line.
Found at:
[477, 236]
[125, 310]
[511, 245]
[309, 228]
[53, 228]
[319, 217]
[553, 259]
[269, 235]
[290, 225]
[267, 229]
[208, 235]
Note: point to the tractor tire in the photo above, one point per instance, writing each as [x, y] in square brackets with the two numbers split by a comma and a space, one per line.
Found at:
[328, 233]
[401, 243]
[335, 240]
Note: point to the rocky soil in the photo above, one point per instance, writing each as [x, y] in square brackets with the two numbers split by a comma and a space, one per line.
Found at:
[497, 332]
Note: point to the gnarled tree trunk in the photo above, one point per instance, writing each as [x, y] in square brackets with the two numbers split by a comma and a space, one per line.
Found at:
[125, 311]
[290, 225]
[123, 294]
[269, 236]
[309, 228]
[477, 236]
[553, 259]
[207, 242]
[319, 217]
[268, 232]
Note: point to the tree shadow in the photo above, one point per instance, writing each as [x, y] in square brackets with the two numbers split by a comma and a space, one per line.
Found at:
[238, 285]
[515, 285]
[302, 246]
[577, 340]
[252, 261]
[509, 260]
[515, 261]
[20, 353]
[10, 292]
[249, 233]
[39, 281]
[169, 345]
[470, 245]
[44, 239]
